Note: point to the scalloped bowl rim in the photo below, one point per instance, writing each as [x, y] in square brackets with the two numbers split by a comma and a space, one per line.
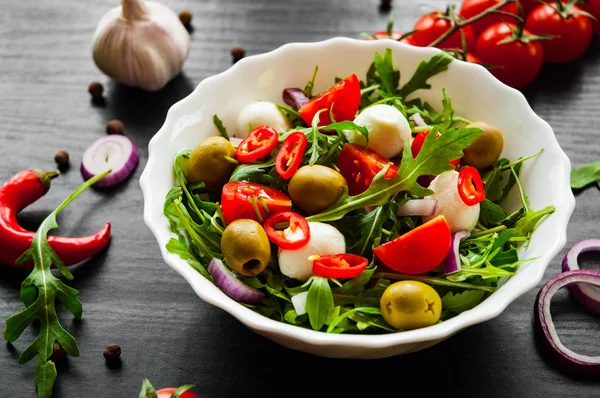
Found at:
[211, 294]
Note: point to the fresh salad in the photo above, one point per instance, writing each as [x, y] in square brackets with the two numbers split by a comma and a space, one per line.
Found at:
[360, 209]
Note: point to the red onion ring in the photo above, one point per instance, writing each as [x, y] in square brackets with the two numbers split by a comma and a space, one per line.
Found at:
[545, 326]
[295, 97]
[418, 120]
[451, 263]
[115, 152]
[418, 207]
[299, 302]
[584, 293]
[232, 286]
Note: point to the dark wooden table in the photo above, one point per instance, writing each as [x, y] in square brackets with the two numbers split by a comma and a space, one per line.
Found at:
[132, 298]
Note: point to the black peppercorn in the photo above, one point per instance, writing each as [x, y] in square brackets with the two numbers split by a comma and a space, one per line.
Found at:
[185, 17]
[112, 352]
[58, 353]
[62, 159]
[96, 89]
[115, 127]
[238, 52]
[385, 5]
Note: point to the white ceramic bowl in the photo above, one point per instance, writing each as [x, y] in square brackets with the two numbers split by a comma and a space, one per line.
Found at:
[475, 94]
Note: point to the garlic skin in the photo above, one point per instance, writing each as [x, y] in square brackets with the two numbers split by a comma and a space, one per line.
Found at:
[141, 44]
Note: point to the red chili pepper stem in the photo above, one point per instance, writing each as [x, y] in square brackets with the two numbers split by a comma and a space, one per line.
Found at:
[46, 177]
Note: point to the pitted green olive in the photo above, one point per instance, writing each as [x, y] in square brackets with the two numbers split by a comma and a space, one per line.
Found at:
[485, 149]
[208, 162]
[245, 247]
[410, 305]
[315, 188]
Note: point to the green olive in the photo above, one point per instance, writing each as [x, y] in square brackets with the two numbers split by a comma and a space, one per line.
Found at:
[486, 149]
[209, 162]
[315, 188]
[410, 305]
[245, 247]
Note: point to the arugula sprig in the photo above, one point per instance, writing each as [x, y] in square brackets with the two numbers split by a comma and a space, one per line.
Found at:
[39, 292]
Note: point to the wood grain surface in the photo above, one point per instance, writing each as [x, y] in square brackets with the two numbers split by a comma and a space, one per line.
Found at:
[130, 297]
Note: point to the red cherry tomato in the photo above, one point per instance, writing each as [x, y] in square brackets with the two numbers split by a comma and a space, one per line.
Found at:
[518, 62]
[382, 34]
[418, 251]
[592, 7]
[290, 155]
[528, 6]
[431, 26]
[341, 266]
[240, 199]
[259, 143]
[293, 221]
[470, 8]
[574, 33]
[417, 144]
[473, 58]
[359, 166]
[344, 97]
[167, 392]
[470, 186]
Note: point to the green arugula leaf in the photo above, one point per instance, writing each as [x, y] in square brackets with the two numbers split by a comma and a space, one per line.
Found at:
[433, 158]
[147, 389]
[492, 181]
[181, 248]
[426, 69]
[219, 125]
[527, 224]
[385, 70]
[447, 113]
[432, 280]
[370, 231]
[365, 310]
[585, 175]
[489, 271]
[365, 321]
[181, 390]
[356, 285]
[319, 302]
[460, 302]
[255, 172]
[311, 84]
[490, 214]
[41, 306]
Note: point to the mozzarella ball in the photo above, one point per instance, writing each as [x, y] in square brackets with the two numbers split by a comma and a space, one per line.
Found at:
[388, 130]
[459, 215]
[261, 113]
[324, 240]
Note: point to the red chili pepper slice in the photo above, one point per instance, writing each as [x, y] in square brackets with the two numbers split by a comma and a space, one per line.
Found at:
[290, 155]
[297, 224]
[470, 186]
[341, 266]
[259, 143]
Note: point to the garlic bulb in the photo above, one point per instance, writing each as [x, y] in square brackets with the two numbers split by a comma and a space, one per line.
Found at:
[141, 44]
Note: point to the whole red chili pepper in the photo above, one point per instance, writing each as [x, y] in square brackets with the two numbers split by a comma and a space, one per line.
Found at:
[17, 193]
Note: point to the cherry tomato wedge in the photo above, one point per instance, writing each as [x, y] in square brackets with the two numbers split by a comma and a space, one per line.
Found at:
[359, 166]
[259, 143]
[470, 186]
[298, 235]
[342, 266]
[290, 155]
[417, 144]
[240, 199]
[344, 97]
[419, 250]
[168, 392]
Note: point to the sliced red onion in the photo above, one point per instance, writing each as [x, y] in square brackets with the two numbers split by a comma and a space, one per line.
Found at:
[418, 207]
[425, 180]
[418, 120]
[545, 326]
[232, 286]
[115, 152]
[299, 302]
[584, 293]
[295, 97]
[451, 263]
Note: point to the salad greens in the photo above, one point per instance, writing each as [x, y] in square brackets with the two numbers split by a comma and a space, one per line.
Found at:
[585, 175]
[488, 257]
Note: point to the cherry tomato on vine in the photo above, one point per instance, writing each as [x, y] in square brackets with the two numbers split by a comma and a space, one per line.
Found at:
[470, 8]
[473, 58]
[573, 31]
[383, 34]
[518, 61]
[528, 6]
[433, 25]
[167, 392]
[592, 7]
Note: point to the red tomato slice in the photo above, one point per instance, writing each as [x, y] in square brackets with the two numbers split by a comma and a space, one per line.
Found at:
[382, 34]
[431, 26]
[359, 166]
[290, 155]
[470, 8]
[296, 223]
[167, 392]
[259, 143]
[344, 97]
[418, 251]
[470, 186]
[417, 144]
[340, 266]
[240, 199]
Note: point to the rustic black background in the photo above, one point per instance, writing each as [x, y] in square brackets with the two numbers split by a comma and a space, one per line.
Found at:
[132, 298]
